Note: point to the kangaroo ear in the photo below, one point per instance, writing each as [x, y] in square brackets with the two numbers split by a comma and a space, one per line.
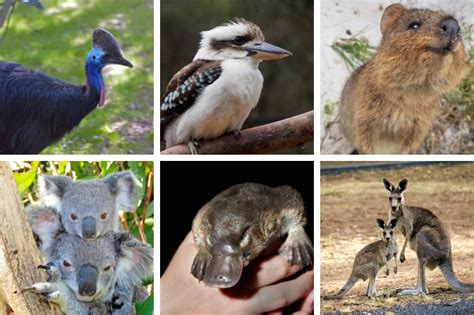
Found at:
[388, 185]
[52, 189]
[381, 223]
[134, 262]
[124, 186]
[393, 223]
[402, 185]
[45, 223]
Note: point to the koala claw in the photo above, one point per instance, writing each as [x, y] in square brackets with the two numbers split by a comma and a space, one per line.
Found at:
[52, 271]
[41, 287]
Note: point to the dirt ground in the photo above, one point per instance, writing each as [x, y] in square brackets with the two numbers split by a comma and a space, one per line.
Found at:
[350, 204]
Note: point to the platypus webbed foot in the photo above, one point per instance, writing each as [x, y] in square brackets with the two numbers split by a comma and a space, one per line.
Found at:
[297, 249]
[199, 265]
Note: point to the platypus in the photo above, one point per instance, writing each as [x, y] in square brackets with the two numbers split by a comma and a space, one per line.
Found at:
[239, 223]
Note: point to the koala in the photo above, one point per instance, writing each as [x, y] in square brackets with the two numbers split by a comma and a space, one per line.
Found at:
[89, 276]
[90, 208]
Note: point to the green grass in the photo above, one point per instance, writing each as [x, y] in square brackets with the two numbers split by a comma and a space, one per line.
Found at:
[57, 40]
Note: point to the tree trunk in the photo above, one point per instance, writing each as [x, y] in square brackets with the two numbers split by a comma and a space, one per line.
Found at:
[19, 255]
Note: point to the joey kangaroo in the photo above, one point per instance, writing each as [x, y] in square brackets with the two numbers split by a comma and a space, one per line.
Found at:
[427, 237]
[370, 259]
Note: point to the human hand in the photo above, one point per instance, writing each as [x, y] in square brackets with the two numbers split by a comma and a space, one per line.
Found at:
[255, 293]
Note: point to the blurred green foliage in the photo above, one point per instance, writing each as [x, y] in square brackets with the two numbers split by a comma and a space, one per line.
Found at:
[56, 42]
[26, 176]
[288, 87]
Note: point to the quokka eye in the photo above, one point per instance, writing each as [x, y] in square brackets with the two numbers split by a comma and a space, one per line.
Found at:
[103, 216]
[73, 216]
[66, 263]
[414, 25]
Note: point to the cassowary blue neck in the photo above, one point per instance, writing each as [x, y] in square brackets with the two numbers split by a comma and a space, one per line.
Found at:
[95, 82]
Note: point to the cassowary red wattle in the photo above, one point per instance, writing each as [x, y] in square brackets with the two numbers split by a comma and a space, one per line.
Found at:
[37, 110]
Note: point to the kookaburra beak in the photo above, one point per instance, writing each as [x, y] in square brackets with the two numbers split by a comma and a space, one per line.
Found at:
[265, 51]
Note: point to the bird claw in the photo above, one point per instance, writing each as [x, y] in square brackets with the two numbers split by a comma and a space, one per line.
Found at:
[193, 147]
[237, 134]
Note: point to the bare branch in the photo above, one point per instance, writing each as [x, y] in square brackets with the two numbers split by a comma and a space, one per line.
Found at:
[284, 134]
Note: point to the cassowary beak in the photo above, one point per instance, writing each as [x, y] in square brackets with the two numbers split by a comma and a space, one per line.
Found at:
[117, 60]
[106, 42]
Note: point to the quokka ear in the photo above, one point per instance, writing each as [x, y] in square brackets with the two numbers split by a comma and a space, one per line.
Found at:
[402, 185]
[52, 189]
[393, 223]
[380, 223]
[390, 16]
[124, 186]
[46, 225]
[134, 260]
[388, 185]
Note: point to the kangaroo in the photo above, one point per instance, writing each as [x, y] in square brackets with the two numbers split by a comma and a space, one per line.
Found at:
[428, 238]
[370, 259]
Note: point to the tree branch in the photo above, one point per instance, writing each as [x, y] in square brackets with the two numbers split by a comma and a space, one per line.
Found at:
[7, 5]
[284, 134]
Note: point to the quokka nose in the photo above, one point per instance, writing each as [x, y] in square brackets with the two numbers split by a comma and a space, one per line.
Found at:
[450, 29]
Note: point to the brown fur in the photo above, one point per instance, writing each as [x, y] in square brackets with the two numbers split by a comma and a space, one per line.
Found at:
[389, 104]
[249, 217]
[427, 237]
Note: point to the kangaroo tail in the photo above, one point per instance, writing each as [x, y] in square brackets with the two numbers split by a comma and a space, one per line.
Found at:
[448, 273]
[349, 284]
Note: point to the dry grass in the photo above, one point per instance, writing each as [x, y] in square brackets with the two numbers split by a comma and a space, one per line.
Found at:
[351, 202]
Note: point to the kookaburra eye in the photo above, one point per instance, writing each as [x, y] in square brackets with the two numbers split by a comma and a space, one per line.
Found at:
[239, 40]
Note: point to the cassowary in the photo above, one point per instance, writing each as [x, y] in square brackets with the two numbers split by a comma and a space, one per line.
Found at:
[37, 110]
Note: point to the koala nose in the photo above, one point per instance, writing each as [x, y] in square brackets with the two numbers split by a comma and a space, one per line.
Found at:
[88, 228]
[87, 280]
[450, 29]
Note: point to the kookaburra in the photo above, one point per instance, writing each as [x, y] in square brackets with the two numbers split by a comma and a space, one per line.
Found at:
[215, 93]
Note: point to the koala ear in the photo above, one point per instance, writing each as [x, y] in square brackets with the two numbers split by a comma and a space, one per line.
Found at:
[134, 262]
[387, 185]
[381, 223]
[52, 189]
[393, 223]
[125, 187]
[403, 185]
[45, 223]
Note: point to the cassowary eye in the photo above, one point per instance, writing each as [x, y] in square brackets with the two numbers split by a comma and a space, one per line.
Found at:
[66, 263]
[73, 216]
[103, 216]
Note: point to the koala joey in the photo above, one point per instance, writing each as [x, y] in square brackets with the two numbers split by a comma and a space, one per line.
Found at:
[86, 275]
[89, 208]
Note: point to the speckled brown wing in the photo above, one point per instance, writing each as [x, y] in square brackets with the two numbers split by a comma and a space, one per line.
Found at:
[186, 86]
